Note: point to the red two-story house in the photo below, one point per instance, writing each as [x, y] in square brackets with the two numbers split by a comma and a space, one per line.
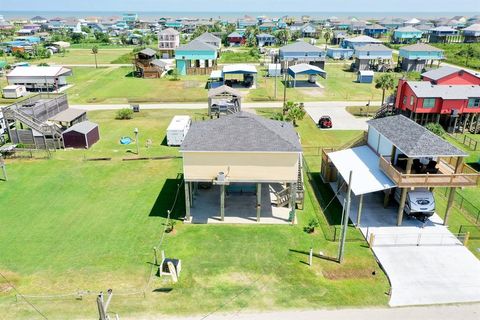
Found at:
[235, 39]
[447, 95]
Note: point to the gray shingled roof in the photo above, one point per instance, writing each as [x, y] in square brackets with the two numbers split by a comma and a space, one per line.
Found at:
[265, 35]
[241, 132]
[412, 139]
[372, 47]
[169, 31]
[407, 29]
[235, 34]
[82, 127]
[224, 89]
[375, 27]
[445, 71]
[197, 45]
[300, 46]
[208, 37]
[424, 89]
[473, 27]
[420, 47]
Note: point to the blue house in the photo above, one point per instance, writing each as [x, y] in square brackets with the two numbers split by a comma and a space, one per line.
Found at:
[196, 57]
[375, 31]
[265, 39]
[339, 53]
[373, 56]
[302, 52]
[407, 35]
[416, 56]
[363, 40]
[472, 33]
[444, 34]
[174, 24]
[244, 23]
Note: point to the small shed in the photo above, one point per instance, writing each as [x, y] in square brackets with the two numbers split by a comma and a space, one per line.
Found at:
[224, 100]
[81, 135]
[177, 130]
[365, 76]
[14, 91]
[274, 70]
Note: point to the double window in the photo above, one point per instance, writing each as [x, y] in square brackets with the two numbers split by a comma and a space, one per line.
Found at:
[428, 102]
[474, 102]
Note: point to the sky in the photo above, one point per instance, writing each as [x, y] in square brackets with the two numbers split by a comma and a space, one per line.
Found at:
[244, 5]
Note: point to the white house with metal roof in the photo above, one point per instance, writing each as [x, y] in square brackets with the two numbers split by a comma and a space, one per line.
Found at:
[39, 78]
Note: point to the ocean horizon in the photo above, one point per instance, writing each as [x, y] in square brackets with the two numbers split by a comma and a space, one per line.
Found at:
[8, 14]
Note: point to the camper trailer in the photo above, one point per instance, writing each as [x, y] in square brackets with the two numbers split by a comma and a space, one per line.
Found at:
[177, 130]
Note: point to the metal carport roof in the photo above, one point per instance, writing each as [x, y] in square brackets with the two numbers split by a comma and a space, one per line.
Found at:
[305, 68]
[364, 164]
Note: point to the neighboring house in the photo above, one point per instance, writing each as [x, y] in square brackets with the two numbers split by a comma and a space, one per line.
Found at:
[407, 35]
[302, 52]
[210, 39]
[340, 53]
[472, 33]
[411, 22]
[39, 78]
[168, 41]
[245, 23]
[309, 31]
[235, 39]
[357, 27]
[196, 57]
[174, 24]
[448, 95]
[416, 57]
[338, 36]
[375, 57]
[268, 27]
[362, 40]
[38, 20]
[250, 157]
[391, 157]
[265, 39]
[147, 65]
[391, 23]
[375, 31]
[444, 34]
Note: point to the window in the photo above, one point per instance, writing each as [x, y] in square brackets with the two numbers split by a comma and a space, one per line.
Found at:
[428, 102]
[412, 99]
[474, 102]
[404, 100]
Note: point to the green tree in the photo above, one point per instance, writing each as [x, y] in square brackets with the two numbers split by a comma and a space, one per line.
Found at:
[124, 114]
[95, 52]
[287, 106]
[385, 82]
[296, 113]
[327, 37]
[282, 36]
[468, 53]
[435, 128]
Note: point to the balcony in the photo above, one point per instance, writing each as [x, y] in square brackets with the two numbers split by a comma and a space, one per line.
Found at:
[445, 177]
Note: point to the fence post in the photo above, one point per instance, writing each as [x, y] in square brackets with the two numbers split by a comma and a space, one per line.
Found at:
[465, 239]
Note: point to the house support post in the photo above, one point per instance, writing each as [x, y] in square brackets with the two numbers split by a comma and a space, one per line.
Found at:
[187, 201]
[359, 214]
[346, 214]
[293, 201]
[222, 202]
[259, 200]
[192, 201]
[403, 196]
[386, 198]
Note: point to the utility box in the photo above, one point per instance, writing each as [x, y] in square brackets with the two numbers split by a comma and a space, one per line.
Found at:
[177, 130]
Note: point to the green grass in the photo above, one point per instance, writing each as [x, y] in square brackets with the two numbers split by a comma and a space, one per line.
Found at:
[242, 56]
[452, 56]
[362, 111]
[73, 225]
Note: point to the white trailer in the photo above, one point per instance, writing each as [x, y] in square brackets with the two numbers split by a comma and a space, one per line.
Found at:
[14, 91]
[177, 130]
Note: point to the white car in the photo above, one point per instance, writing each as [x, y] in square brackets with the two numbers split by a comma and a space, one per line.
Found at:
[419, 204]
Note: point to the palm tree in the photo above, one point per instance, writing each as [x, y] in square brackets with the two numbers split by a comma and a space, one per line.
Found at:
[287, 106]
[296, 113]
[282, 36]
[95, 52]
[385, 82]
[327, 36]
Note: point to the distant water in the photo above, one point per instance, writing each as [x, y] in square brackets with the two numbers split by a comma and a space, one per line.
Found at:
[151, 15]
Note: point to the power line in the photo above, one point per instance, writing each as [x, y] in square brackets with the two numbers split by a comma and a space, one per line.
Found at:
[18, 292]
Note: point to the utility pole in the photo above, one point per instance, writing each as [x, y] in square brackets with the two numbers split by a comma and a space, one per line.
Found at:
[136, 138]
[345, 220]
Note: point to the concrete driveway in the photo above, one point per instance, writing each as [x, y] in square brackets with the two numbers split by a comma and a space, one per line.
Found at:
[426, 264]
[342, 120]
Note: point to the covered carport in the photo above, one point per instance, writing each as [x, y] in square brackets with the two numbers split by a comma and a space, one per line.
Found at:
[362, 163]
[248, 72]
[224, 100]
[305, 69]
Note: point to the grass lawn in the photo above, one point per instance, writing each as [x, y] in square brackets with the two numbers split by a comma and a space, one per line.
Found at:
[237, 56]
[73, 225]
[115, 85]
[452, 50]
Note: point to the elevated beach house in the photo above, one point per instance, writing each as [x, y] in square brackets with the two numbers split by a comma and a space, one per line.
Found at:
[407, 34]
[302, 52]
[168, 41]
[416, 57]
[196, 57]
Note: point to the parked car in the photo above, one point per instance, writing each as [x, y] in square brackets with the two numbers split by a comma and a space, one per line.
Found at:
[419, 204]
[325, 122]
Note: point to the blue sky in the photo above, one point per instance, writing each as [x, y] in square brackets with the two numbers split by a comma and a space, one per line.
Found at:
[245, 5]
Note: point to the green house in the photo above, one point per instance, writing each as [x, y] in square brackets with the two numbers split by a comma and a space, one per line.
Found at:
[196, 57]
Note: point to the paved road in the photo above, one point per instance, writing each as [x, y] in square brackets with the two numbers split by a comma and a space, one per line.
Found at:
[203, 105]
[450, 312]
[100, 65]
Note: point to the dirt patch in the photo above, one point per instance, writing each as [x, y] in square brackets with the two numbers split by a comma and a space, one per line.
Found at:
[343, 274]
[12, 278]
[312, 92]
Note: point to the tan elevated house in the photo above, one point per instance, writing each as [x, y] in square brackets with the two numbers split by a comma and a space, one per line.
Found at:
[242, 168]
[399, 153]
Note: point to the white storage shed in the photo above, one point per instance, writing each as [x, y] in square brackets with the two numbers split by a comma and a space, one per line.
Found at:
[14, 91]
[177, 130]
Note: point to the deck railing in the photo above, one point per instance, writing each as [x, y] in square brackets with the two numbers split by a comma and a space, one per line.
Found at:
[467, 177]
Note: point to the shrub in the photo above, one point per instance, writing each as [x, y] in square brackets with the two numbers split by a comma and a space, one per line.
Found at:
[435, 128]
[124, 114]
[312, 224]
